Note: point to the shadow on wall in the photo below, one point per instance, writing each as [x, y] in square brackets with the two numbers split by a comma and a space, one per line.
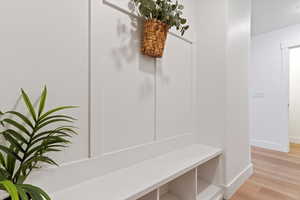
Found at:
[130, 41]
[128, 51]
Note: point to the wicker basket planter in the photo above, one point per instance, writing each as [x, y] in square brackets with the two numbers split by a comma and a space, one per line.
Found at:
[155, 35]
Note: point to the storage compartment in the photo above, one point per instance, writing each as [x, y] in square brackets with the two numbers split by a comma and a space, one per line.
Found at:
[151, 196]
[182, 188]
[209, 180]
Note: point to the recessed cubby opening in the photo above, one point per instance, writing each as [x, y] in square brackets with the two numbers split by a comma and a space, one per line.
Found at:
[209, 180]
[150, 196]
[182, 188]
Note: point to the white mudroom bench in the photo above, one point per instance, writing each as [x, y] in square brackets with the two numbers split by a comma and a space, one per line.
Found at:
[191, 173]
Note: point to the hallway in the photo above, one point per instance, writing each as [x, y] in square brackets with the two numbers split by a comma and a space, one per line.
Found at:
[276, 176]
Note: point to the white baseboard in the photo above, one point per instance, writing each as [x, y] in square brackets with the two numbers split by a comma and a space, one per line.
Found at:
[270, 145]
[295, 140]
[238, 181]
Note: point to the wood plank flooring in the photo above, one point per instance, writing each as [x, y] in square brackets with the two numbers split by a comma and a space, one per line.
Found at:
[276, 176]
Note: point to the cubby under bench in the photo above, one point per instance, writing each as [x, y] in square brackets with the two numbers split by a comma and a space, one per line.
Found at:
[191, 173]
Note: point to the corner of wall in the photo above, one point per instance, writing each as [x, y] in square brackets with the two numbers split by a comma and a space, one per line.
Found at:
[238, 181]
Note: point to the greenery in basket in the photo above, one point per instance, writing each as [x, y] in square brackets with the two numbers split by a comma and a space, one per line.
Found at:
[29, 140]
[163, 10]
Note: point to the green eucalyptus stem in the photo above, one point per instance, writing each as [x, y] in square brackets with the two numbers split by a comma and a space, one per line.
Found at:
[163, 10]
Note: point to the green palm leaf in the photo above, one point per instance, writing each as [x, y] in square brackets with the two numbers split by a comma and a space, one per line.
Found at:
[28, 104]
[56, 110]
[11, 189]
[42, 101]
[13, 142]
[2, 160]
[30, 140]
[16, 135]
[51, 132]
[38, 192]
[1, 122]
[57, 139]
[21, 116]
[51, 122]
[17, 125]
[4, 175]
[57, 117]
[22, 193]
[9, 151]
[11, 162]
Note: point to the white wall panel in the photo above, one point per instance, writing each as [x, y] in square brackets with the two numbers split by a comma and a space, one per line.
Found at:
[122, 83]
[121, 69]
[175, 89]
[45, 43]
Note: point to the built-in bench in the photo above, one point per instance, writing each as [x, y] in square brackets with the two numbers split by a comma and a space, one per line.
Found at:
[192, 173]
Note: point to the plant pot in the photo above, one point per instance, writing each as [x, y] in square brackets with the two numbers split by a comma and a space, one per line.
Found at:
[154, 38]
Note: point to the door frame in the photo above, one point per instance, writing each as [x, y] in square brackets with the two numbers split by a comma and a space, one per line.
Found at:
[285, 52]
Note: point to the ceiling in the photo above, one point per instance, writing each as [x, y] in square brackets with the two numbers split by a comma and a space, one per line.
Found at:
[269, 15]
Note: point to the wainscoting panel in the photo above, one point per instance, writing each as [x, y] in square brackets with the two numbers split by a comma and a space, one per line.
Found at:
[175, 89]
[132, 107]
[45, 43]
[157, 94]
[122, 83]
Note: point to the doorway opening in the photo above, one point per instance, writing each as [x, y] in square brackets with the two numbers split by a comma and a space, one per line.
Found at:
[294, 95]
[291, 91]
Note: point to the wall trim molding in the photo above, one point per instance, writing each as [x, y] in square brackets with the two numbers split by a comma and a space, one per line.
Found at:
[145, 144]
[269, 145]
[285, 51]
[238, 181]
[290, 44]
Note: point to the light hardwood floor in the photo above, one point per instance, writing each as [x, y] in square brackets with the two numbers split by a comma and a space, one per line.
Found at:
[276, 176]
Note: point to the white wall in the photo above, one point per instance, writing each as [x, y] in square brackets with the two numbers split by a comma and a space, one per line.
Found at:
[223, 60]
[39, 47]
[268, 127]
[132, 107]
[211, 70]
[237, 128]
[139, 107]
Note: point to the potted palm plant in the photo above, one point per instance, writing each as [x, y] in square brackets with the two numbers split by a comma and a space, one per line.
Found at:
[29, 140]
[160, 16]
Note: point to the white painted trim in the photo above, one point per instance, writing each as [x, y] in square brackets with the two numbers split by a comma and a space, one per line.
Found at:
[295, 140]
[285, 48]
[238, 181]
[290, 44]
[115, 4]
[269, 145]
[146, 144]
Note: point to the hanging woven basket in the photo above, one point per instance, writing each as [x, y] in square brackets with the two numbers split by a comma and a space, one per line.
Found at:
[155, 35]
